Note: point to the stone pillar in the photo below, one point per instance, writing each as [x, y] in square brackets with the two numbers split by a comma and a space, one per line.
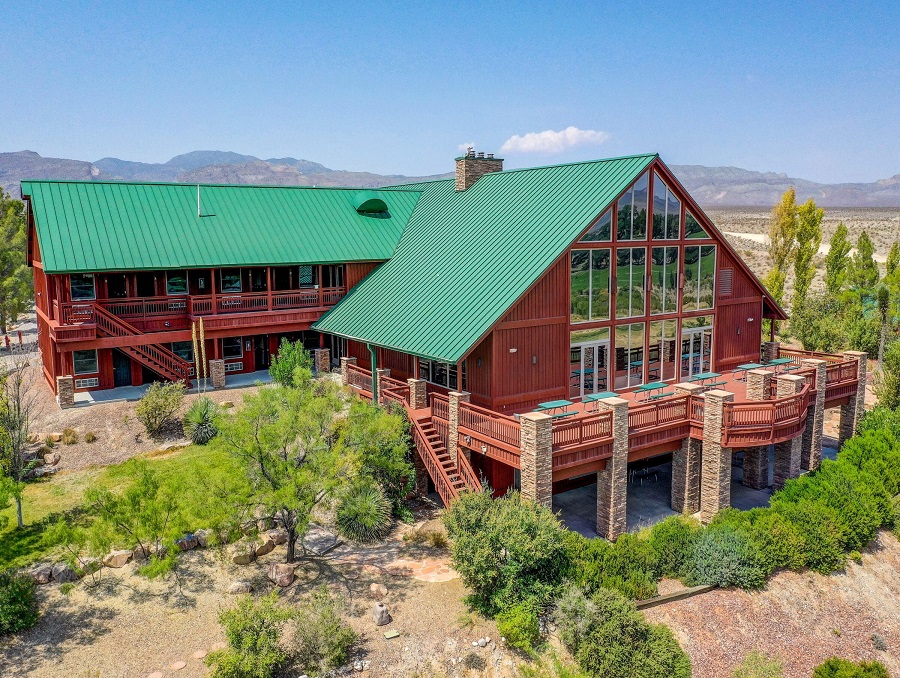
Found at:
[345, 369]
[811, 447]
[756, 459]
[759, 384]
[715, 484]
[536, 460]
[421, 488]
[454, 398]
[787, 453]
[418, 393]
[770, 351]
[686, 464]
[380, 373]
[612, 482]
[65, 391]
[217, 373]
[322, 361]
[852, 411]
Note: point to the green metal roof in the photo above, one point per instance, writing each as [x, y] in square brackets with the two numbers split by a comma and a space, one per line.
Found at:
[467, 256]
[96, 226]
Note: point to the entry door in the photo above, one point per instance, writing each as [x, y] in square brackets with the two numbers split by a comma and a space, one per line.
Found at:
[696, 351]
[121, 368]
[261, 352]
[589, 369]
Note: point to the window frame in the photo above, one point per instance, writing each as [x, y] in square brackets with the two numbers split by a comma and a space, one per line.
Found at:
[240, 341]
[187, 284]
[93, 278]
[629, 194]
[590, 251]
[667, 196]
[664, 290]
[96, 370]
[240, 281]
[190, 346]
[642, 288]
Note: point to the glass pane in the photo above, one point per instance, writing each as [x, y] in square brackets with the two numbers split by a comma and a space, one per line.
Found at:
[231, 280]
[176, 282]
[305, 276]
[659, 208]
[585, 336]
[692, 227]
[425, 370]
[232, 347]
[84, 362]
[638, 269]
[600, 266]
[580, 285]
[623, 219]
[707, 276]
[662, 358]
[600, 231]
[641, 195]
[184, 350]
[673, 217]
[82, 286]
[623, 282]
[691, 278]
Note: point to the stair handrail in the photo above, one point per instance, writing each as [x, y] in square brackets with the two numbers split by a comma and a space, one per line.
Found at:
[467, 473]
[445, 488]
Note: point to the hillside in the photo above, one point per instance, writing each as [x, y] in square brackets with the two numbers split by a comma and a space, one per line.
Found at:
[711, 186]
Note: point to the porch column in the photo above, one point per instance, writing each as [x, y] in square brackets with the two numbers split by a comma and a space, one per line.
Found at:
[454, 398]
[686, 464]
[715, 486]
[381, 374]
[345, 369]
[612, 482]
[536, 459]
[811, 452]
[787, 453]
[269, 288]
[418, 393]
[217, 373]
[770, 350]
[756, 459]
[65, 391]
[852, 411]
[322, 361]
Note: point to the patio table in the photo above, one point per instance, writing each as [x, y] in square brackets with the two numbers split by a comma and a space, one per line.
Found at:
[551, 406]
[650, 388]
[746, 367]
[778, 362]
[594, 397]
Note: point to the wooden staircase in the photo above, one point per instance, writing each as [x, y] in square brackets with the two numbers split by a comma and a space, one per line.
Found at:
[154, 356]
[450, 479]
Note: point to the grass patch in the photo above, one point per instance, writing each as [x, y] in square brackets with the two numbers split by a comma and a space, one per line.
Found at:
[62, 494]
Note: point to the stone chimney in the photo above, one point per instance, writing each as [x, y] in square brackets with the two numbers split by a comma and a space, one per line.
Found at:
[471, 167]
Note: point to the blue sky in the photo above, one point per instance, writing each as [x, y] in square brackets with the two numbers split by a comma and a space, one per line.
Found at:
[810, 89]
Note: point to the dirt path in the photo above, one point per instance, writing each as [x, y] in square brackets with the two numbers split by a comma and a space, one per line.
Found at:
[803, 618]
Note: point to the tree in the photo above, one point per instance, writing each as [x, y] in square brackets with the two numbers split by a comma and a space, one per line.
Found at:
[809, 237]
[284, 439]
[887, 380]
[16, 281]
[863, 269]
[819, 324]
[883, 298]
[17, 403]
[836, 260]
[893, 259]
[291, 358]
[782, 242]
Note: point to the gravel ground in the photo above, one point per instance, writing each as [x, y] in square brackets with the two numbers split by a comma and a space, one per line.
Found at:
[802, 618]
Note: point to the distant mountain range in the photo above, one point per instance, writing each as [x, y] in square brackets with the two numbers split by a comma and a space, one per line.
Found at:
[711, 186]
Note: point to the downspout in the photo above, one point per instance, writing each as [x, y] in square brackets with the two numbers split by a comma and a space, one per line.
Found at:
[374, 356]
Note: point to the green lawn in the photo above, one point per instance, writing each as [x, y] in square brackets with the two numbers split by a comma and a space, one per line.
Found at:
[61, 495]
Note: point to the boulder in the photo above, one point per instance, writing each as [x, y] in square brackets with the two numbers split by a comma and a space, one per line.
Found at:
[242, 552]
[226, 404]
[62, 573]
[202, 537]
[187, 542]
[281, 574]
[118, 558]
[265, 545]
[140, 553]
[237, 588]
[378, 591]
[55, 437]
[42, 471]
[51, 459]
[278, 535]
[42, 573]
[380, 614]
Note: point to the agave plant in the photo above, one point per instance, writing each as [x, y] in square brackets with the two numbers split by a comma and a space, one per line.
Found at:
[364, 514]
[200, 421]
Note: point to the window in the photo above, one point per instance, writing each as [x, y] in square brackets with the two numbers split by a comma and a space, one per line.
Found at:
[231, 280]
[306, 276]
[629, 355]
[176, 282]
[630, 267]
[82, 286]
[663, 347]
[85, 362]
[692, 228]
[232, 347]
[631, 223]
[699, 277]
[87, 383]
[588, 358]
[589, 285]
[696, 345]
[184, 350]
[664, 280]
[666, 211]
[234, 367]
[442, 374]
[600, 231]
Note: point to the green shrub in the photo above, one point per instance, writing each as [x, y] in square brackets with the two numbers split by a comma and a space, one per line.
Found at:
[157, 408]
[90, 437]
[364, 514]
[726, 556]
[321, 641]
[821, 531]
[672, 541]
[253, 631]
[519, 625]
[879, 419]
[18, 603]
[507, 550]
[610, 638]
[201, 421]
[758, 665]
[842, 668]
[293, 364]
[69, 436]
[627, 566]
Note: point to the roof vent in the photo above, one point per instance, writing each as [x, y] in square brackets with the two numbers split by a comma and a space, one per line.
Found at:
[369, 202]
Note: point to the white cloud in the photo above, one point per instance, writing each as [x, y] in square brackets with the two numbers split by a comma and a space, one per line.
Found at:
[551, 141]
[465, 146]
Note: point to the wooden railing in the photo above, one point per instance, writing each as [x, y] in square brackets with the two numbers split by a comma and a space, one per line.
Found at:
[397, 394]
[672, 410]
[594, 429]
[798, 355]
[361, 379]
[440, 406]
[493, 425]
[765, 421]
[442, 483]
[467, 473]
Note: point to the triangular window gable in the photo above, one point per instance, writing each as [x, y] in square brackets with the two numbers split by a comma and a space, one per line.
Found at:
[692, 228]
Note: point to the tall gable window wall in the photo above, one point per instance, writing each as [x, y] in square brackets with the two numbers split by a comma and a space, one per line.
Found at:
[666, 211]
[631, 222]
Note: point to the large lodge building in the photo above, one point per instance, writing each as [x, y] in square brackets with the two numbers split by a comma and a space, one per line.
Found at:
[598, 293]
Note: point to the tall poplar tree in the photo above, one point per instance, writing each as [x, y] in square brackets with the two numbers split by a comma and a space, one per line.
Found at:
[16, 282]
[782, 243]
[808, 237]
[837, 260]
[893, 259]
[863, 269]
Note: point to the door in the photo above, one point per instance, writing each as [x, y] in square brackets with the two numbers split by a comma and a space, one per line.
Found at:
[121, 368]
[588, 369]
[261, 353]
[116, 286]
[696, 351]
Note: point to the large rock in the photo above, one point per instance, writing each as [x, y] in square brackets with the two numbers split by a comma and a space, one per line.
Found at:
[281, 574]
[278, 535]
[242, 552]
[62, 573]
[378, 591]
[54, 437]
[51, 459]
[380, 614]
[42, 573]
[187, 542]
[265, 545]
[42, 471]
[118, 558]
[202, 537]
[238, 587]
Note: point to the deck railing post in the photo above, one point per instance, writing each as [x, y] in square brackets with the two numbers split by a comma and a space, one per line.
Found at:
[612, 482]
[418, 394]
[852, 411]
[770, 351]
[715, 489]
[811, 453]
[536, 457]
[345, 369]
[787, 452]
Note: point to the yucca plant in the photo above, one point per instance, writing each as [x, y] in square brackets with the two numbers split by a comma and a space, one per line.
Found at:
[201, 421]
[364, 514]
